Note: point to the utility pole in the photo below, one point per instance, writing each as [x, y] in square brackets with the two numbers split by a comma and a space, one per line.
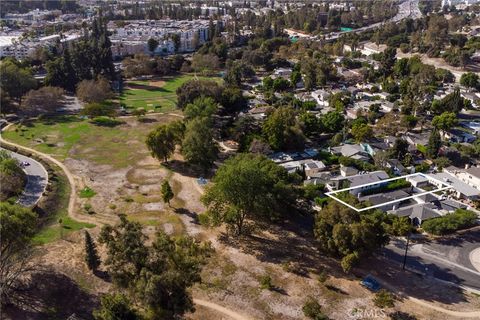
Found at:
[406, 251]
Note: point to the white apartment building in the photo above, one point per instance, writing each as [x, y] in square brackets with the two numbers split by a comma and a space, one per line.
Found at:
[31, 16]
[192, 34]
[470, 175]
[18, 48]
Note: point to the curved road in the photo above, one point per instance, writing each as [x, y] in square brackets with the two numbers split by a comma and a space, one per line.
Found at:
[37, 179]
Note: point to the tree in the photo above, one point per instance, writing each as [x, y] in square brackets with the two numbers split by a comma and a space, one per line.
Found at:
[94, 90]
[201, 107]
[15, 81]
[361, 132]
[343, 232]
[162, 140]
[152, 44]
[313, 310]
[282, 130]
[115, 307]
[167, 192]
[198, 146]
[399, 149]
[460, 219]
[96, 109]
[445, 121]
[13, 176]
[91, 256]
[247, 187]
[434, 144]
[383, 299]
[193, 89]
[17, 227]
[157, 276]
[333, 121]
[470, 80]
[44, 100]
[205, 63]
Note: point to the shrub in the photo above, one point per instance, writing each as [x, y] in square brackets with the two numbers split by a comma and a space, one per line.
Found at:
[266, 282]
[383, 299]
[321, 201]
[460, 219]
[312, 191]
[98, 109]
[322, 277]
[106, 121]
[313, 310]
[113, 206]
[88, 208]
[349, 261]
[399, 315]
[87, 192]
[204, 219]
[391, 186]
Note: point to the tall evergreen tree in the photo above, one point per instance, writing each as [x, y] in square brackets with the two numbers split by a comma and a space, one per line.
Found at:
[167, 192]
[434, 144]
[70, 78]
[91, 256]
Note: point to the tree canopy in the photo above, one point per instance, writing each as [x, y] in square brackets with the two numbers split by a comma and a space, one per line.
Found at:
[247, 187]
[157, 276]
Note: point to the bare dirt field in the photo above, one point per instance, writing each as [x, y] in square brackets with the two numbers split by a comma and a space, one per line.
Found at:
[128, 181]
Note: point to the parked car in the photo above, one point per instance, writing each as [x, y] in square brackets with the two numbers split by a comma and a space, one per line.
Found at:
[371, 283]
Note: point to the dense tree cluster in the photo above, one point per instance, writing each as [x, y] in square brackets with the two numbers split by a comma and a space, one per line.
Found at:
[156, 276]
[350, 235]
[85, 59]
[141, 64]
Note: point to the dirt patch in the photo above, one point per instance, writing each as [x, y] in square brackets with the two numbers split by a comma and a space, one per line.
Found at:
[146, 175]
[157, 83]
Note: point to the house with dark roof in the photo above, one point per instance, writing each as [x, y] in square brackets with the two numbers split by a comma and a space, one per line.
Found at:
[358, 180]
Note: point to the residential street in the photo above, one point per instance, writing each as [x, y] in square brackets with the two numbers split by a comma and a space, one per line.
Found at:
[447, 259]
[37, 179]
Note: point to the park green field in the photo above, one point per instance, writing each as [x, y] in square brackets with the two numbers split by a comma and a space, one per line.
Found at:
[71, 136]
[155, 94]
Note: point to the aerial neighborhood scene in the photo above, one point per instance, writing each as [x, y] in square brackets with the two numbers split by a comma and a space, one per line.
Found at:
[239, 160]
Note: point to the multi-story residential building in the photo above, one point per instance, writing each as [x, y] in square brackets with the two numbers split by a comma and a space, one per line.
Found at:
[469, 175]
[31, 16]
[18, 48]
[191, 35]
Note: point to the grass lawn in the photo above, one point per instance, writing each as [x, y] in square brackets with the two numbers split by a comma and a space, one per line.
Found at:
[71, 136]
[52, 230]
[159, 95]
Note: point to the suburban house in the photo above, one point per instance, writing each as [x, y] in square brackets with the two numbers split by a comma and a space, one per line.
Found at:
[340, 182]
[354, 151]
[370, 48]
[459, 136]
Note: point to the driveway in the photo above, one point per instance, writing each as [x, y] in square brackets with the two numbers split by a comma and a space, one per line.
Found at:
[37, 178]
[447, 259]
